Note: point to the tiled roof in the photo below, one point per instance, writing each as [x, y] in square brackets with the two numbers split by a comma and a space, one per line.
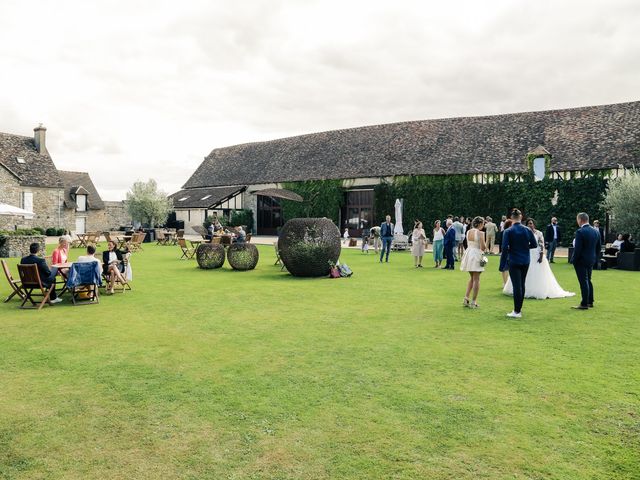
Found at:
[583, 138]
[208, 197]
[72, 181]
[37, 170]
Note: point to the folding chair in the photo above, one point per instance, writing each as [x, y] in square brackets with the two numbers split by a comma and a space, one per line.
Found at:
[30, 278]
[123, 285]
[15, 284]
[187, 252]
[278, 259]
[83, 281]
[160, 238]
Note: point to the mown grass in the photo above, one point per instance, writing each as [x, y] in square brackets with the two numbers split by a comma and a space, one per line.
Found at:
[222, 374]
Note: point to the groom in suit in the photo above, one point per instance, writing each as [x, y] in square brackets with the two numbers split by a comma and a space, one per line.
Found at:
[386, 233]
[517, 240]
[586, 254]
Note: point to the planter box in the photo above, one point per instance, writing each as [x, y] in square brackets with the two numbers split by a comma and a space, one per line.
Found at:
[17, 246]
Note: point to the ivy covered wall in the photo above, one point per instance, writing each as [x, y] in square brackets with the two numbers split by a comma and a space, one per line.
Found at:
[434, 197]
[322, 198]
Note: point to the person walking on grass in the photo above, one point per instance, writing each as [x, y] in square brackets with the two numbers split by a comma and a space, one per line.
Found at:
[418, 242]
[472, 261]
[517, 240]
[386, 234]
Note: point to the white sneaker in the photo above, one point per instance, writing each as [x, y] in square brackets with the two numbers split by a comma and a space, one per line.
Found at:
[514, 315]
[57, 300]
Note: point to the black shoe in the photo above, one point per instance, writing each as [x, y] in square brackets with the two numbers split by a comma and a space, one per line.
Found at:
[551, 261]
[590, 305]
[580, 307]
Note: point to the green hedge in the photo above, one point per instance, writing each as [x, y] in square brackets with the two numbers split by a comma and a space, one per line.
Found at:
[434, 197]
[322, 198]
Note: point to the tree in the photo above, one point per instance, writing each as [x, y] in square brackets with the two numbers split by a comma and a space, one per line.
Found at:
[147, 204]
[622, 201]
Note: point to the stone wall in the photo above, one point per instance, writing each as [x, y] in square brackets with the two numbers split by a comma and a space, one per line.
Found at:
[16, 246]
[116, 215]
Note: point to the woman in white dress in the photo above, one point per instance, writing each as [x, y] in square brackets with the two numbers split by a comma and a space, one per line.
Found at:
[471, 261]
[541, 283]
[418, 241]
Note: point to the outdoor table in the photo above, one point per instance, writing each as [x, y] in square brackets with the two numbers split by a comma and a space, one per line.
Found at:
[168, 236]
[195, 243]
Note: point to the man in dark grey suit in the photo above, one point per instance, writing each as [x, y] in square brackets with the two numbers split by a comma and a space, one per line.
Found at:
[586, 253]
[47, 275]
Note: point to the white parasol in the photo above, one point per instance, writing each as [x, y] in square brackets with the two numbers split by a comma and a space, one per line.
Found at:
[398, 227]
[6, 209]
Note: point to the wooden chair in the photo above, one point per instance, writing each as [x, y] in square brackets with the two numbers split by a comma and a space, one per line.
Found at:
[216, 240]
[160, 238]
[278, 259]
[122, 285]
[227, 240]
[187, 252]
[32, 286]
[15, 284]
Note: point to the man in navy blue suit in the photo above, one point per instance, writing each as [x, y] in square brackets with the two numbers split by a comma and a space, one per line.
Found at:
[586, 253]
[386, 233]
[47, 275]
[517, 240]
[449, 244]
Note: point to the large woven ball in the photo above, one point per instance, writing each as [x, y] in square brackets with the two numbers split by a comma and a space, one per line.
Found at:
[242, 256]
[210, 255]
[307, 245]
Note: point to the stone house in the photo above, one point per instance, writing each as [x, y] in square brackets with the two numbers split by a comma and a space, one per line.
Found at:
[488, 148]
[29, 179]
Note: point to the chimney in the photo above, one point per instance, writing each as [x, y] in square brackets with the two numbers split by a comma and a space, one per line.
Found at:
[39, 138]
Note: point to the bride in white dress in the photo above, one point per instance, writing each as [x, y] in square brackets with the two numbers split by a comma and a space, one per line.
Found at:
[541, 283]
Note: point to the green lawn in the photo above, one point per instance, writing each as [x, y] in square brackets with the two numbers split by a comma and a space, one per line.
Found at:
[221, 374]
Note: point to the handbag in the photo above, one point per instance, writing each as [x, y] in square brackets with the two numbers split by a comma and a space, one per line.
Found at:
[334, 272]
[484, 260]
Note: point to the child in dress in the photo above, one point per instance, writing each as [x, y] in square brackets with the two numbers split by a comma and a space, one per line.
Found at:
[365, 245]
[346, 236]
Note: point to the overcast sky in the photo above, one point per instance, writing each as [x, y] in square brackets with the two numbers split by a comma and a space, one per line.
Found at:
[145, 89]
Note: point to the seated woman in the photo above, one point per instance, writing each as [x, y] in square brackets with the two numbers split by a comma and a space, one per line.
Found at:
[61, 253]
[113, 265]
[627, 244]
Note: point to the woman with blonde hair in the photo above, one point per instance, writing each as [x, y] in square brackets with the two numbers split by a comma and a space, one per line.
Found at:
[61, 253]
[473, 261]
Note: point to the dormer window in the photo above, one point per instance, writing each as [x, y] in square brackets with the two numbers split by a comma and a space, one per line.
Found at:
[205, 197]
[20, 160]
[81, 203]
[182, 199]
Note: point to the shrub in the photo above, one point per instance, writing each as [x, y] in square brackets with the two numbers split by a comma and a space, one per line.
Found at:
[242, 218]
[308, 245]
[210, 255]
[40, 229]
[622, 201]
[243, 256]
[60, 232]
[51, 232]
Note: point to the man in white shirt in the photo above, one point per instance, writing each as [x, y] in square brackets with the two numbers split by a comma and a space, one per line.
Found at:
[90, 256]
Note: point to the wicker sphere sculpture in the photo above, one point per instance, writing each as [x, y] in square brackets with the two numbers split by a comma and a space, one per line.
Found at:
[210, 255]
[307, 245]
[242, 256]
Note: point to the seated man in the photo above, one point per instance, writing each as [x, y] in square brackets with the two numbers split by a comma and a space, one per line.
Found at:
[47, 276]
[210, 231]
[240, 235]
[90, 256]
